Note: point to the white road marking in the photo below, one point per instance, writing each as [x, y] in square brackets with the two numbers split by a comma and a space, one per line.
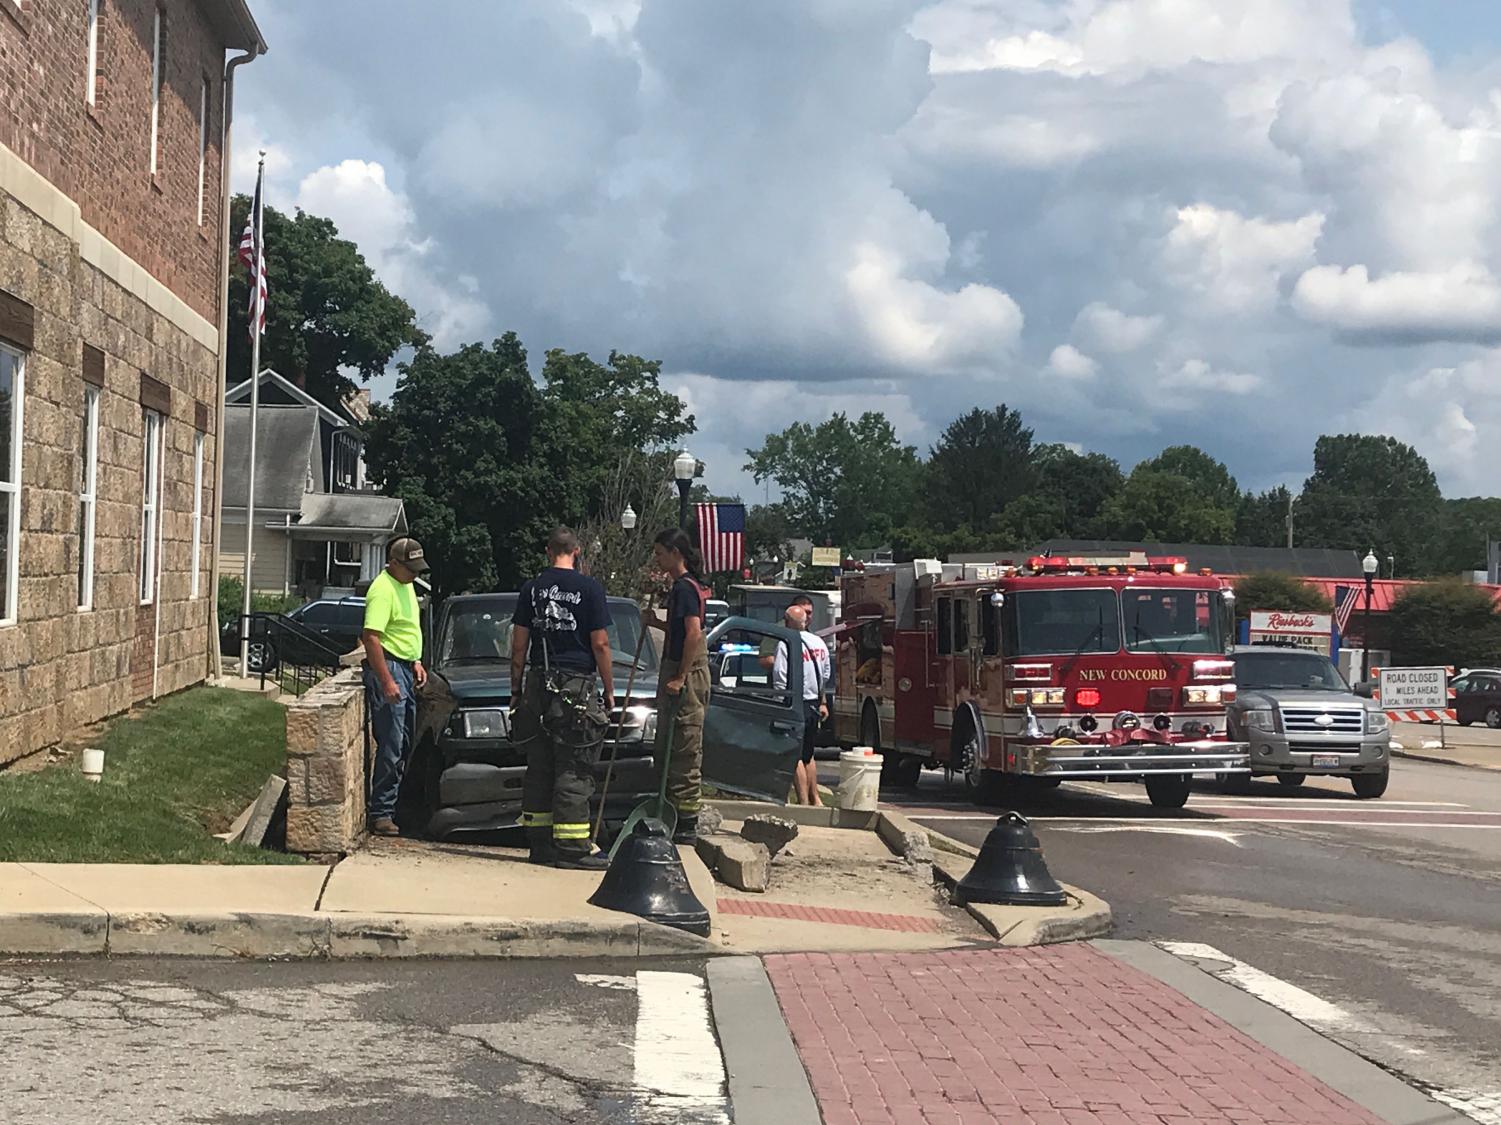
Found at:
[1301, 1005]
[679, 1072]
[1484, 1106]
[1232, 838]
[1254, 820]
[604, 980]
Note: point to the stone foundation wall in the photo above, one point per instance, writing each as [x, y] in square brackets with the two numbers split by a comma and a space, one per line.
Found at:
[326, 767]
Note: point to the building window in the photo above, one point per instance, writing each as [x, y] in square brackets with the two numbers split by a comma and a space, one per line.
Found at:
[202, 146]
[92, 82]
[158, 64]
[12, 399]
[348, 554]
[151, 495]
[197, 508]
[88, 482]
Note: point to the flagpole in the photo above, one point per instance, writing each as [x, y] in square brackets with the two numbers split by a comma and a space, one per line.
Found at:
[257, 309]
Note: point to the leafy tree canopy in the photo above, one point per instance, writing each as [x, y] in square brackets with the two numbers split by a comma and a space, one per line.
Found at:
[1445, 622]
[1369, 491]
[326, 312]
[1154, 506]
[1269, 590]
[1210, 477]
[981, 463]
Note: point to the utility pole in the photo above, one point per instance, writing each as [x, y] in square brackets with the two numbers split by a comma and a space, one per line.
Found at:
[1289, 521]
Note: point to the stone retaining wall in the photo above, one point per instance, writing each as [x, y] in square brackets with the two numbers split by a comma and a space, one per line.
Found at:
[326, 767]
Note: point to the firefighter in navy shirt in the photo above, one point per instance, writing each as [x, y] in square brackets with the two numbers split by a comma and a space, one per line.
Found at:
[685, 675]
[562, 623]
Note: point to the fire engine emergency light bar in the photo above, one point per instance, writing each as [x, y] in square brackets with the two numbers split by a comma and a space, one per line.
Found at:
[1129, 563]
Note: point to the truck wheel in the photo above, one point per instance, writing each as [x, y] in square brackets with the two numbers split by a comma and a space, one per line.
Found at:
[1236, 783]
[1370, 785]
[1169, 791]
[984, 786]
[906, 770]
[1291, 780]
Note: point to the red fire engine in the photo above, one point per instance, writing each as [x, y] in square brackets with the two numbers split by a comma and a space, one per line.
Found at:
[1103, 668]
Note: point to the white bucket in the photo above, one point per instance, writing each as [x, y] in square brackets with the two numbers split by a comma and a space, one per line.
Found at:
[92, 763]
[859, 780]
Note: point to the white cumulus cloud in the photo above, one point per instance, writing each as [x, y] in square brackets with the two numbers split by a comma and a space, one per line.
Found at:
[1070, 363]
[1236, 262]
[1462, 303]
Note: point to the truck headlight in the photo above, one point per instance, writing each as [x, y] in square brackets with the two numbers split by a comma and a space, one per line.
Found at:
[491, 723]
[1376, 722]
[1262, 719]
[644, 719]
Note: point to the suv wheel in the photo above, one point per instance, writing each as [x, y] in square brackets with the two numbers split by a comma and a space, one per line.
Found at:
[1291, 780]
[260, 656]
[1235, 783]
[1370, 785]
[1493, 718]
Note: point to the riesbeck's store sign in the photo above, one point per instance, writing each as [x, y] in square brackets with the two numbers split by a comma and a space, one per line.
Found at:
[1302, 630]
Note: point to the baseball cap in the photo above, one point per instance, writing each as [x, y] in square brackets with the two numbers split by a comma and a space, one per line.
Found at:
[408, 552]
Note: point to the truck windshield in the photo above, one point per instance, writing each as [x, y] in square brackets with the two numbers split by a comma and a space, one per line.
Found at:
[1061, 622]
[480, 630]
[1159, 620]
[1303, 671]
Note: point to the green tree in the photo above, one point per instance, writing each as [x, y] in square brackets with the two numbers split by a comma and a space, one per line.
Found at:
[1210, 477]
[1158, 507]
[1371, 492]
[981, 463]
[1079, 484]
[1465, 526]
[845, 482]
[326, 313]
[1261, 519]
[1270, 590]
[1445, 622]
[488, 462]
[768, 531]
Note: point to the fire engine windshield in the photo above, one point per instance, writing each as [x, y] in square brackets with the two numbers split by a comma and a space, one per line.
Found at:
[1061, 622]
[1171, 621]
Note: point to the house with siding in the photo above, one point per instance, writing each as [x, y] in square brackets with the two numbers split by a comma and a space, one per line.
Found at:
[114, 143]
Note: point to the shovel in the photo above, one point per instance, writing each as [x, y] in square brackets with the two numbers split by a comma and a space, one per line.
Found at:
[656, 808]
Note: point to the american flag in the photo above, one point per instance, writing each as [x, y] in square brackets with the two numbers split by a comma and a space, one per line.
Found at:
[1344, 605]
[253, 255]
[721, 536]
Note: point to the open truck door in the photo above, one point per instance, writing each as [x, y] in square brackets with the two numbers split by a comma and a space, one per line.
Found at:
[753, 731]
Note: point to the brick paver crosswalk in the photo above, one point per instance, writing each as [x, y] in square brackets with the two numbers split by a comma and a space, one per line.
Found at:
[1065, 1035]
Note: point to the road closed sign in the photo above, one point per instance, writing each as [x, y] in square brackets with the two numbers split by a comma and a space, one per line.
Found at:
[1414, 689]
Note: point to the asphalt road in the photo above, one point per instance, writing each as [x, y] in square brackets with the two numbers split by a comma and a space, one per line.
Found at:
[527, 1043]
[1389, 911]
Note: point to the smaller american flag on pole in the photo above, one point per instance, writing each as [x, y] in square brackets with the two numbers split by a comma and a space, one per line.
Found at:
[721, 536]
[1344, 605]
[253, 256]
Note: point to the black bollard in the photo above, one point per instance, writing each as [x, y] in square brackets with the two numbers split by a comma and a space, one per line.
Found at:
[646, 878]
[1009, 870]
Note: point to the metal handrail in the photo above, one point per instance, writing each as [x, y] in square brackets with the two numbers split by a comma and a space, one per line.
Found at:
[317, 657]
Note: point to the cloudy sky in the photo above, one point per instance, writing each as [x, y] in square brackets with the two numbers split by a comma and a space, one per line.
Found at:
[1141, 222]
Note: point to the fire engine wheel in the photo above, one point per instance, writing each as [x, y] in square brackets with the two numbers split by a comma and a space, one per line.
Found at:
[1238, 783]
[983, 785]
[1169, 791]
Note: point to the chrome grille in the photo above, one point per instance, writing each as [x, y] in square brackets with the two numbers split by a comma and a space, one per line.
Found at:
[1324, 747]
[1305, 720]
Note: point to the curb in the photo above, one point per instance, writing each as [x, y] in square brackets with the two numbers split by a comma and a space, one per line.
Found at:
[1443, 761]
[1085, 915]
[766, 1077]
[333, 936]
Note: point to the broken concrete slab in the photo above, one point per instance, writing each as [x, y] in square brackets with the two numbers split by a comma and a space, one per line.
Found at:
[776, 832]
[905, 838]
[744, 865]
[710, 820]
[263, 812]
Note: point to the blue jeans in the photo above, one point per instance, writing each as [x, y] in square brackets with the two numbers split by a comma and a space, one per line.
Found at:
[391, 723]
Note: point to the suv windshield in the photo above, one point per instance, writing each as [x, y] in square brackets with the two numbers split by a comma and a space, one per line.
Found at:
[480, 630]
[1305, 671]
[1159, 620]
[1053, 622]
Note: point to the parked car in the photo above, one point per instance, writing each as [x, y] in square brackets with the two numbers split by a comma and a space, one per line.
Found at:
[466, 774]
[321, 625]
[1477, 697]
[1302, 719]
[715, 611]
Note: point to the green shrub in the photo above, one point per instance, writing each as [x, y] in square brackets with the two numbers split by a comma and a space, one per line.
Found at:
[1445, 622]
[1270, 590]
[232, 595]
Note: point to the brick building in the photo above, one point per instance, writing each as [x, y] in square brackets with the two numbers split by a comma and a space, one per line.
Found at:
[114, 126]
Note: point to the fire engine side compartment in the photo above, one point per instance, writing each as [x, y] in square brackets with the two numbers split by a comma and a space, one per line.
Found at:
[916, 694]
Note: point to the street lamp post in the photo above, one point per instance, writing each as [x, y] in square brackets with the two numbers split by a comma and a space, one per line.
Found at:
[1369, 565]
[628, 518]
[682, 471]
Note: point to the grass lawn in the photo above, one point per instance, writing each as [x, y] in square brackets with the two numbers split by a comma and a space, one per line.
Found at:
[174, 774]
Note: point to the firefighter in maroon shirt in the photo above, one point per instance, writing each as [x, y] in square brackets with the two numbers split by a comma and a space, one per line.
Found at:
[685, 675]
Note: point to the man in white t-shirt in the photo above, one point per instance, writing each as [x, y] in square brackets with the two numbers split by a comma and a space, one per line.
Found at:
[817, 677]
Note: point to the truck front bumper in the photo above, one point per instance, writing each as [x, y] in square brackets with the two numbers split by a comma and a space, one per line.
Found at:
[1208, 756]
[1276, 753]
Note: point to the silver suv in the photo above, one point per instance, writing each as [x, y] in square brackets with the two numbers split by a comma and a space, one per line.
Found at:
[1301, 718]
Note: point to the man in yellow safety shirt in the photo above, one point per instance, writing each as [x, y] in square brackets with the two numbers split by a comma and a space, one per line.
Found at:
[393, 675]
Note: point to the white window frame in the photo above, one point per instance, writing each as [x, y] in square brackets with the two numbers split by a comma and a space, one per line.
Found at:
[88, 498]
[91, 86]
[202, 148]
[151, 497]
[12, 487]
[156, 84]
[195, 553]
[356, 556]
